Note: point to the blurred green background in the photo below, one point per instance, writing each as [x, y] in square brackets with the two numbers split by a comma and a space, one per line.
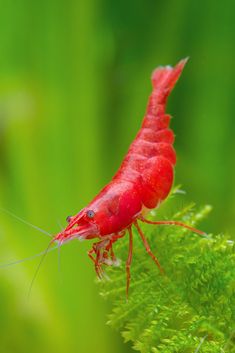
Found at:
[74, 82]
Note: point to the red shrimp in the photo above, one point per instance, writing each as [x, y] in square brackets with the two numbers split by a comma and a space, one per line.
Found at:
[142, 182]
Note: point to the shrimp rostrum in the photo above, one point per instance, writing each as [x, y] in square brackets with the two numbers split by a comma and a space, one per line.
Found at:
[142, 182]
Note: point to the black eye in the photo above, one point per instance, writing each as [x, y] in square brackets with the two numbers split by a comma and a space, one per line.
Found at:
[90, 214]
[68, 219]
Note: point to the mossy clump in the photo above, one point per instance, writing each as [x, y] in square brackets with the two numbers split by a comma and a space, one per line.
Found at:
[189, 309]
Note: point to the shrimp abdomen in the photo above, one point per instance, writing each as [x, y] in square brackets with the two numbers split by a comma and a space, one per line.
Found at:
[151, 157]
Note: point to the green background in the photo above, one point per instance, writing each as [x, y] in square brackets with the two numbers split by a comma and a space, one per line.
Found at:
[74, 82]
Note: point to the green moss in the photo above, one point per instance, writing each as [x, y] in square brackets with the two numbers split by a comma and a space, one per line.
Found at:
[189, 309]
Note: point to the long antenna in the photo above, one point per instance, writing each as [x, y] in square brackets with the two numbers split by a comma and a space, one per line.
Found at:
[38, 267]
[59, 261]
[25, 222]
[27, 258]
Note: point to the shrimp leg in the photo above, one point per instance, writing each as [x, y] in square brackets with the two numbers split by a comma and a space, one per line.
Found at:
[109, 247]
[96, 249]
[101, 249]
[176, 223]
[147, 247]
[128, 262]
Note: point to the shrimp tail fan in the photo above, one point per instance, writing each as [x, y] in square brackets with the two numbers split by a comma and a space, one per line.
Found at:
[164, 79]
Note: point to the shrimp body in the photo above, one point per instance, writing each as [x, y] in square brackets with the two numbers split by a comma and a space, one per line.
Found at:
[142, 182]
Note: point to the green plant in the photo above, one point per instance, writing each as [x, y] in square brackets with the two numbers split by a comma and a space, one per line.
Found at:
[189, 309]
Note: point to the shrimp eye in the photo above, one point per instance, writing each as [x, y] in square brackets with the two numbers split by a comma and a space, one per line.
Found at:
[68, 219]
[90, 214]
